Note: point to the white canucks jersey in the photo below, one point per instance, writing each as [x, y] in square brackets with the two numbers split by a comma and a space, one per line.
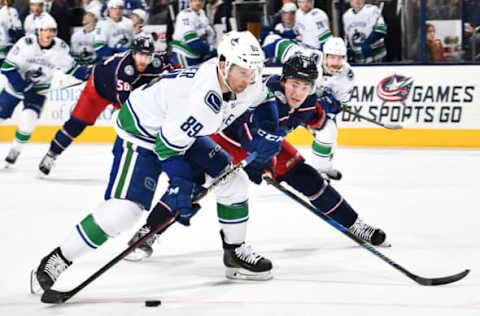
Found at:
[8, 20]
[166, 115]
[340, 85]
[29, 24]
[359, 25]
[82, 46]
[36, 64]
[190, 26]
[114, 34]
[313, 27]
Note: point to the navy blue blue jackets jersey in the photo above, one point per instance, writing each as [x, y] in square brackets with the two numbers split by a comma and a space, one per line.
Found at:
[116, 77]
[287, 117]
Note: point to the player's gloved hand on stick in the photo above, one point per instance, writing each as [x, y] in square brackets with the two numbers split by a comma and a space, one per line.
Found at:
[366, 49]
[319, 121]
[266, 141]
[179, 197]
[255, 170]
[329, 103]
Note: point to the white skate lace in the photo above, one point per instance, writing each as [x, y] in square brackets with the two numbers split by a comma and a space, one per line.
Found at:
[362, 230]
[246, 254]
[55, 266]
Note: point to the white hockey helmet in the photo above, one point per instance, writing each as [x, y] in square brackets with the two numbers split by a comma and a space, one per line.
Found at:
[241, 49]
[93, 10]
[334, 46]
[45, 22]
[141, 14]
[115, 4]
[36, 1]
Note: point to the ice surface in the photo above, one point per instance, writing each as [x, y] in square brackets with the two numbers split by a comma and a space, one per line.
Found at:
[425, 199]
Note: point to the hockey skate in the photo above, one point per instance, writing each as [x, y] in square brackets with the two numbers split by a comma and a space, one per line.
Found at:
[11, 157]
[243, 263]
[370, 234]
[333, 174]
[143, 251]
[47, 163]
[48, 271]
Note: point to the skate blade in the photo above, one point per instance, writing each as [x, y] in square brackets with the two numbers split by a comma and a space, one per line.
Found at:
[35, 287]
[136, 256]
[243, 274]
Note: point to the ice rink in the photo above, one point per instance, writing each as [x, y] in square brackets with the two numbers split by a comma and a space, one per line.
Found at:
[425, 199]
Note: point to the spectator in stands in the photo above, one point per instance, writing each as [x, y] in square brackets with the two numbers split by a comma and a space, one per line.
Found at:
[365, 30]
[471, 19]
[286, 28]
[61, 12]
[194, 38]
[312, 24]
[433, 46]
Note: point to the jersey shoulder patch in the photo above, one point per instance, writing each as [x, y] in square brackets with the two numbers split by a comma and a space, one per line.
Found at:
[213, 100]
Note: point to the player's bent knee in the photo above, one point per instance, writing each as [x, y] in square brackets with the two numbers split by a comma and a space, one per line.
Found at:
[115, 216]
[234, 191]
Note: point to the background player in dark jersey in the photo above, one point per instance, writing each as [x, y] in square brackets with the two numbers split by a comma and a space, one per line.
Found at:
[109, 83]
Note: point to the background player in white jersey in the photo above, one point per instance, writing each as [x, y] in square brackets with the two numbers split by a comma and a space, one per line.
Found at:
[312, 24]
[36, 11]
[365, 30]
[160, 121]
[10, 29]
[194, 38]
[286, 28]
[334, 86]
[29, 68]
[83, 41]
[115, 33]
[139, 18]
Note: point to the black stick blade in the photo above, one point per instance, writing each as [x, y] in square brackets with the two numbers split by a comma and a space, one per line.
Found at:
[441, 281]
[55, 297]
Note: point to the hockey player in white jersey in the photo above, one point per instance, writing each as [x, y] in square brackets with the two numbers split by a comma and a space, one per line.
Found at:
[115, 33]
[365, 30]
[10, 29]
[83, 41]
[312, 24]
[157, 124]
[334, 87]
[36, 12]
[193, 39]
[139, 18]
[29, 68]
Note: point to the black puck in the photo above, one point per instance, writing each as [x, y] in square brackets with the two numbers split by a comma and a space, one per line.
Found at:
[153, 303]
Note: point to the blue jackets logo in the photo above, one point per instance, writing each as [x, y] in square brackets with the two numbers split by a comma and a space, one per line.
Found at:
[394, 88]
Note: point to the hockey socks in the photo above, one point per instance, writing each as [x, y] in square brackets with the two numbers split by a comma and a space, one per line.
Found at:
[324, 197]
[64, 137]
[233, 220]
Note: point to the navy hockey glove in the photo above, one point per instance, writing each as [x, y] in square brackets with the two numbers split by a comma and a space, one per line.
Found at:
[266, 143]
[366, 49]
[179, 197]
[329, 103]
[256, 169]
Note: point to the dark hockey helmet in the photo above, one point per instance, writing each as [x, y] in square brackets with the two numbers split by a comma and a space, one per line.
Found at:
[143, 45]
[300, 67]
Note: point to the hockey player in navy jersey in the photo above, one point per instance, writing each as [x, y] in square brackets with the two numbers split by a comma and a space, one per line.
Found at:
[29, 69]
[110, 83]
[297, 105]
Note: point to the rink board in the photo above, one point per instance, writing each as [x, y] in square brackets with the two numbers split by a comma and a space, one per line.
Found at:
[438, 106]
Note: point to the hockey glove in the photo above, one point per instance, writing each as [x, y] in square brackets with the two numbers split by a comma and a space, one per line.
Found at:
[266, 142]
[330, 104]
[319, 121]
[366, 49]
[256, 169]
[179, 197]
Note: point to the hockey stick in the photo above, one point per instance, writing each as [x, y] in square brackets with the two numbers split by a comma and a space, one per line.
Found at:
[51, 296]
[385, 125]
[60, 88]
[345, 231]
